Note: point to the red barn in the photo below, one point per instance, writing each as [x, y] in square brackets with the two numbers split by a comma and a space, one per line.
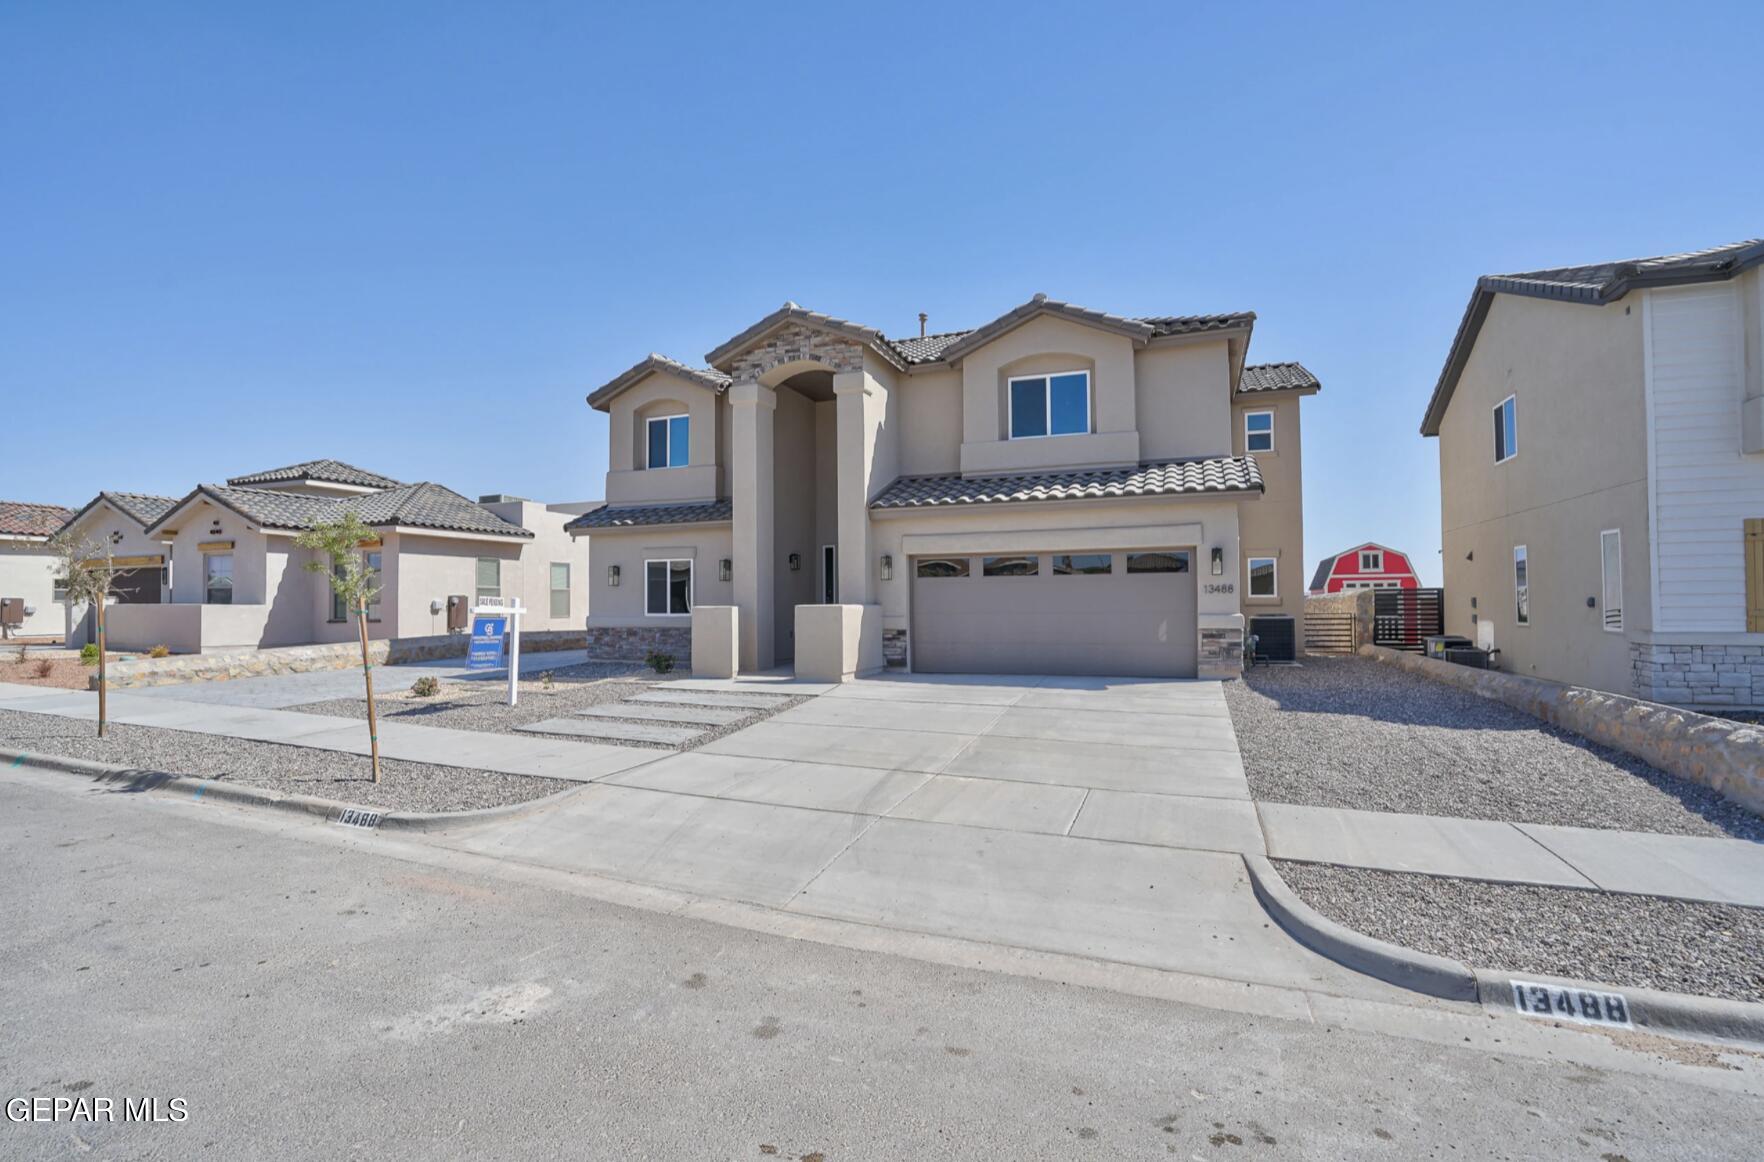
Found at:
[1367, 566]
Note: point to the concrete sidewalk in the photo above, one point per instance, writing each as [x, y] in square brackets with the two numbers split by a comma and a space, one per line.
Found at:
[511, 754]
[1721, 871]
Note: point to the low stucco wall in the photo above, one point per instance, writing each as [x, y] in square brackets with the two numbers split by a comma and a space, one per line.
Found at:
[225, 665]
[1727, 757]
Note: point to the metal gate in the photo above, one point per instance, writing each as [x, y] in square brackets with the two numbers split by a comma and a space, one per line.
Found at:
[1401, 618]
[1330, 633]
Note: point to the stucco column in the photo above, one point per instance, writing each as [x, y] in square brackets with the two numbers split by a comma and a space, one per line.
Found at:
[750, 488]
[856, 420]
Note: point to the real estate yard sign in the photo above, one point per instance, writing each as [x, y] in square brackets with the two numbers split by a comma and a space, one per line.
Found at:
[485, 651]
[492, 618]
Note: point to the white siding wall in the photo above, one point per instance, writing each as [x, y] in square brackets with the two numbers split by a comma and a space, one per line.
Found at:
[1702, 485]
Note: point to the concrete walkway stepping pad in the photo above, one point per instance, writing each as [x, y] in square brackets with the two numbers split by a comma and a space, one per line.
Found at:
[711, 698]
[654, 712]
[628, 731]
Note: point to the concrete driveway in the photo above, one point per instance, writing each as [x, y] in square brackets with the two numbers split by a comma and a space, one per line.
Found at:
[1088, 816]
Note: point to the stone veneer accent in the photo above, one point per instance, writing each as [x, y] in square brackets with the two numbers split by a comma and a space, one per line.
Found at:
[1725, 756]
[634, 642]
[894, 648]
[793, 343]
[224, 665]
[1221, 653]
[1698, 675]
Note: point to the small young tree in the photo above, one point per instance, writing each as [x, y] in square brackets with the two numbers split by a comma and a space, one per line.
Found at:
[88, 571]
[337, 553]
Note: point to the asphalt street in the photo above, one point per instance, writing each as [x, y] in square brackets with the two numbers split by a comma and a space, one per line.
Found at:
[308, 995]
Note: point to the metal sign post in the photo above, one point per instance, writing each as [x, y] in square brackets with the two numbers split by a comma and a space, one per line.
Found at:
[492, 619]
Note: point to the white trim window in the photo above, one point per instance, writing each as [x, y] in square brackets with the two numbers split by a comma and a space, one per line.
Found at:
[217, 578]
[667, 588]
[1521, 585]
[1262, 581]
[1371, 561]
[560, 588]
[1057, 404]
[668, 440]
[489, 578]
[1611, 579]
[1506, 430]
[1258, 431]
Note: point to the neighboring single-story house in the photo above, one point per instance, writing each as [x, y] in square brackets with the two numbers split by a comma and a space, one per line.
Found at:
[28, 567]
[1365, 566]
[1060, 490]
[1601, 467]
[218, 568]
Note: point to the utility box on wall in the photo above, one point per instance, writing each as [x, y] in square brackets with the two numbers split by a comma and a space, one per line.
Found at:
[459, 613]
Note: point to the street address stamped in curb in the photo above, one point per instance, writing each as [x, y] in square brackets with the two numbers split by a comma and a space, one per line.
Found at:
[351, 817]
[1585, 1006]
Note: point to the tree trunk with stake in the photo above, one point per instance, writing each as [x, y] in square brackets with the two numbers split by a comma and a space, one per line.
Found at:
[367, 674]
[103, 685]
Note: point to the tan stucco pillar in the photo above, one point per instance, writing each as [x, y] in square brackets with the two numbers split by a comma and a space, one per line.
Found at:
[750, 475]
[856, 420]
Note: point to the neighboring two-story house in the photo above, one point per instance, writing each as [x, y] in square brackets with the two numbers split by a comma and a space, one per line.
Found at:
[1601, 464]
[219, 569]
[1058, 491]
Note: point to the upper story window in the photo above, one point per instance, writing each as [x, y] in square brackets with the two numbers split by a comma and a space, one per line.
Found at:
[669, 441]
[1050, 405]
[1371, 561]
[1258, 431]
[1506, 429]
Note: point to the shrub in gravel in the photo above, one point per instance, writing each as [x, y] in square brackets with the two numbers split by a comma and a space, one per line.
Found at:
[426, 686]
[89, 654]
[43, 668]
[659, 662]
[159, 652]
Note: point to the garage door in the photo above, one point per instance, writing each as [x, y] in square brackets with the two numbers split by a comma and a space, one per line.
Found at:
[1131, 614]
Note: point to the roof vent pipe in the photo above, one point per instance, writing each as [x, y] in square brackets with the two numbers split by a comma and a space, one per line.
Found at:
[922, 317]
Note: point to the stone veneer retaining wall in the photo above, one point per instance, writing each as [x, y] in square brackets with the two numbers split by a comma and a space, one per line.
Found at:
[894, 648]
[1221, 653]
[1707, 675]
[224, 665]
[634, 642]
[1725, 756]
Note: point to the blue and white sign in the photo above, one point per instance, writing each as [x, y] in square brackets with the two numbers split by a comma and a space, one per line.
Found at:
[485, 650]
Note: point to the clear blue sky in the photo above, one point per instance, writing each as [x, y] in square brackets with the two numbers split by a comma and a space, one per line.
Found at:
[413, 236]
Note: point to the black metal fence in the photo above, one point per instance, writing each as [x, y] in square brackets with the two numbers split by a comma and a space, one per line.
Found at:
[1401, 618]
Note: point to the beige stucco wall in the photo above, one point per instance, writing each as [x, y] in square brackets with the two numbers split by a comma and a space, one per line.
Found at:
[627, 481]
[1576, 374]
[795, 495]
[704, 545]
[1059, 527]
[1184, 400]
[928, 413]
[1048, 344]
[550, 543]
[1275, 525]
[432, 569]
[27, 569]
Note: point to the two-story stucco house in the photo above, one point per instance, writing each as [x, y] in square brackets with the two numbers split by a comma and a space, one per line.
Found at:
[219, 569]
[1058, 491]
[1601, 466]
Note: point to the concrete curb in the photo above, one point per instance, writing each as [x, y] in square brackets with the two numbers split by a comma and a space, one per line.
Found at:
[1679, 1014]
[1436, 976]
[143, 781]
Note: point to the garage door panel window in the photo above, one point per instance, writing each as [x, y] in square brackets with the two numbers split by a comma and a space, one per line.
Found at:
[1050, 405]
[1176, 562]
[667, 588]
[1083, 563]
[942, 568]
[1261, 577]
[1010, 566]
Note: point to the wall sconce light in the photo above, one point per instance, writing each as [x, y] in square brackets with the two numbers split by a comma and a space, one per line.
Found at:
[725, 568]
[887, 567]
[1218, 561]
[796, 562]
[612, 576]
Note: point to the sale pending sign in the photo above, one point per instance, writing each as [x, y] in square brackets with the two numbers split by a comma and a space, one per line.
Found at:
[485, 651]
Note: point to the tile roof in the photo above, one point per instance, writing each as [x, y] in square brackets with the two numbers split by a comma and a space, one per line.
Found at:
[425, 505]
[143, 508]
[932, 348]
[1193, 324]
[925, 348]
[1276, 377]
[792, 312]
[1597, 284]
[631, 516]
[707, 376]
[1171, 478]
[18, 519]
[329, 471]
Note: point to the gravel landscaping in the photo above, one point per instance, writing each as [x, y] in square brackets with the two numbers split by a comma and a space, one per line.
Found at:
[1714, 950]
[483, 705]
[1355, 733]
[404, 786]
